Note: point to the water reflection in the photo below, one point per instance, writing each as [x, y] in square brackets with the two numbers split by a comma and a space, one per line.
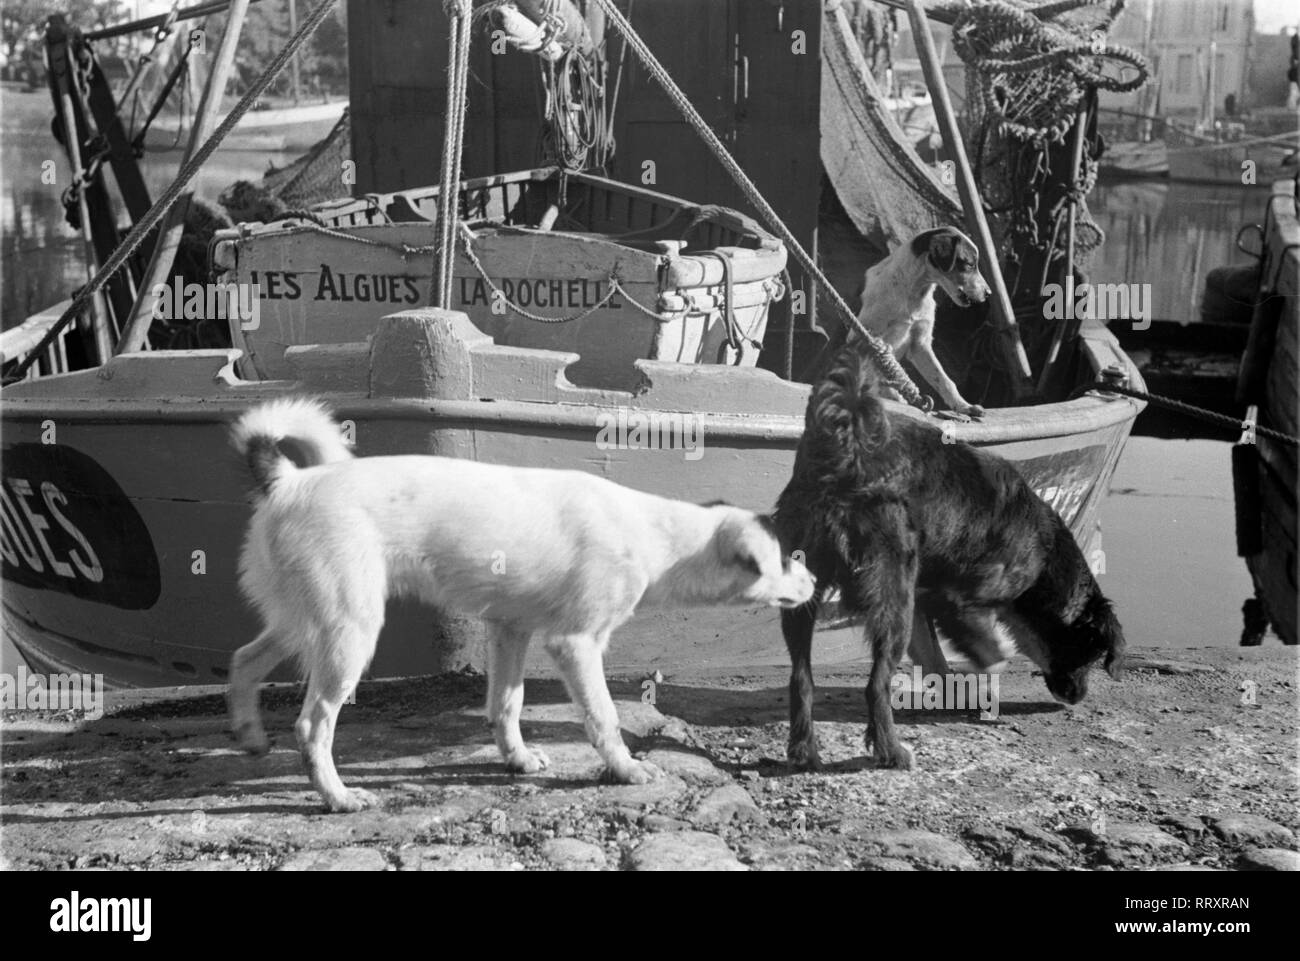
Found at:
[1170, 236]
[42, 256]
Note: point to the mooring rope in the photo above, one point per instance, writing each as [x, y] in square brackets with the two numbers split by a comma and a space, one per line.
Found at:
[460, 17]
[881, 353]
[1191, 410]
[154, 214]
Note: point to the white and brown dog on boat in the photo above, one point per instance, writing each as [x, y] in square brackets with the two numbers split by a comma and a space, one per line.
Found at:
[563, 555]
[898, 302]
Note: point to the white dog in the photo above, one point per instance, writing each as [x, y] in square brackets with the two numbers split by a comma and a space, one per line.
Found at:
[561, 554]
[898, 302]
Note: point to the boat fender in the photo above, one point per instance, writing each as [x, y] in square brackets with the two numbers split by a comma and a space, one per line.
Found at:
[528, 36]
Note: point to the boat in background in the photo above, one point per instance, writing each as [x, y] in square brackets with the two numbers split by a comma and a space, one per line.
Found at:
[547, 258]
[1132, 159]
[280, 129]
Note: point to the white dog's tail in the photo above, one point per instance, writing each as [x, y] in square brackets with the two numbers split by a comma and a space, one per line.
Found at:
[287, 434]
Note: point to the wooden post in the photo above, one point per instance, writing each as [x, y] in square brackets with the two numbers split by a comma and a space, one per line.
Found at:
[1017, 361]
[100, 330]
[169, 233]
[1071, 227]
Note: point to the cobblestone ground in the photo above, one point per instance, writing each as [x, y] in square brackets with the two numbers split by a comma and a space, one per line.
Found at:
[1190, 764]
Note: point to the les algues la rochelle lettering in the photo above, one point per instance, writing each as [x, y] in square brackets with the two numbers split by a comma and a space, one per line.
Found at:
[337, 286]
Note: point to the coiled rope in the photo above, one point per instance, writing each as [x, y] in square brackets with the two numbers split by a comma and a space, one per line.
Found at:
[155, 214]
[1028, 74]
[880, 352]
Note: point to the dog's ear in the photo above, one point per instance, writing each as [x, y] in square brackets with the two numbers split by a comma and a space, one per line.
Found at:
[734, 547]
[942, 250]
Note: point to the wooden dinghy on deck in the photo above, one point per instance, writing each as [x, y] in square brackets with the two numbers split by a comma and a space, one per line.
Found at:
[694, 283]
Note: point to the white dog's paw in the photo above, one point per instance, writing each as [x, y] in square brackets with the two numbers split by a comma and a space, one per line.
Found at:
[528, 761]
[352, 800]
[636, 772]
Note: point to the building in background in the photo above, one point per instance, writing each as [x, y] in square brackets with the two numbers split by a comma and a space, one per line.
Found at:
[1200, 53]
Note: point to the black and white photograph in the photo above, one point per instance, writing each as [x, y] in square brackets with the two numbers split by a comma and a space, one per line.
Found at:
[651, 435]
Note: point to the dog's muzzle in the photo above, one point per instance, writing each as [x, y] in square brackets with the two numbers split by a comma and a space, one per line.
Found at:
[1068, 690]
[799, 588]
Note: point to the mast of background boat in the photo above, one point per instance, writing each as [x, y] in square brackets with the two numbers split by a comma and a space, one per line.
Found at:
[293, 64]
[1145, 104]
[169, 232]
[100, 325]
[1014, 350]
[1210, 83]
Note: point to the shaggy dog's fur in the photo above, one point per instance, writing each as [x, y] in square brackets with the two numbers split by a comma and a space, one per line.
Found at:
[560, 554]
[894, 517]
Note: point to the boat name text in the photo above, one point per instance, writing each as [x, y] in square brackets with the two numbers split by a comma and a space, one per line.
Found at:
[336, 286]
[20, 540]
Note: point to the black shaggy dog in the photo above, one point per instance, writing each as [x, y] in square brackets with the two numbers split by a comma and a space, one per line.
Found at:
[887, 511]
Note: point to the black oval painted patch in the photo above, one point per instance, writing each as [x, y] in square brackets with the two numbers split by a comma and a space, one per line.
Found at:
[66, 525]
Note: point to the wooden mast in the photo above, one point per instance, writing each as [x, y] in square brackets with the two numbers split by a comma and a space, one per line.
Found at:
[171, 229]
[1013, 349]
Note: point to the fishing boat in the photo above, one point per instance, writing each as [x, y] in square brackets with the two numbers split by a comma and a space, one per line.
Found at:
[1217, 157]
[279, 129]
[1264, 469]
[124, 506]
[1135, 159]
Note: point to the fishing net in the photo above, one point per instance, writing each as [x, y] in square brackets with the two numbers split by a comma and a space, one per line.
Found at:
[318, 175]
[1029, 68]
[313, 178]
[885, 190]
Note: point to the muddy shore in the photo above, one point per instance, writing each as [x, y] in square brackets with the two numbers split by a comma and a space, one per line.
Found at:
[1190, 763]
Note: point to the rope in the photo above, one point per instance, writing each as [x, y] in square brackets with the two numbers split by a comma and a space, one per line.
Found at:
[881, 353]
[460, 14]
[154, 214]
[178, 70]
[1191, 410]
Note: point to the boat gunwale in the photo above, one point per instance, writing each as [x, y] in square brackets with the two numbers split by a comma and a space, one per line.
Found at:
[1084, 414]
[727, 218]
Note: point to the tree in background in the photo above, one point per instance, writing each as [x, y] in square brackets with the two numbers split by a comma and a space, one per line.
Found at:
[322, 62]
[22, 23]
